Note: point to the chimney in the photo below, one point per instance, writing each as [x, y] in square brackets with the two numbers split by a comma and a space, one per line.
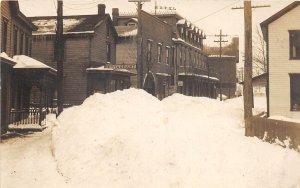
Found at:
[101, 9]
[115, 15]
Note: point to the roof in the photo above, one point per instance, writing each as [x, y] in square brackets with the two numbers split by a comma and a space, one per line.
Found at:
[14, 5]
[6, 59]
[258, 77]
[280, 13]
[72, 24]
[25, 62]
[126, 31]
[104, 69]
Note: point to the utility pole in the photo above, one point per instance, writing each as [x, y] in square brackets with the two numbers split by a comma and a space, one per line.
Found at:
[139, 62]
[220, 41]
[248, 89]
[59, 56]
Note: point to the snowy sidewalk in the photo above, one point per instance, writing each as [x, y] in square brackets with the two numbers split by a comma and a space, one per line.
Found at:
[28, 162]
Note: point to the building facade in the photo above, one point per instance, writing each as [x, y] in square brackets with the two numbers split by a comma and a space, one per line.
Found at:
[20, 74]
[225, 69]
[89, 54]
[172, 55]
[282, 35]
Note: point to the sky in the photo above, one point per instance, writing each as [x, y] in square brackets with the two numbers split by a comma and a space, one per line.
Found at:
[208, 15]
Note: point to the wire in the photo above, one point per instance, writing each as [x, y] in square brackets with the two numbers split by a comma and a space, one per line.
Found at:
[79, 8]
[86, 3]
[216, 11]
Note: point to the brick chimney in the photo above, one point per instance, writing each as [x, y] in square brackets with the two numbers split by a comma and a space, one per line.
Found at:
[115, 15]
[101, 9]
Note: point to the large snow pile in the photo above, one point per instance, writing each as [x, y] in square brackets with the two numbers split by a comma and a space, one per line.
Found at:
[131, 139]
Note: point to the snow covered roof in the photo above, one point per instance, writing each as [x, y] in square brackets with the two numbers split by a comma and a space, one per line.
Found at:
[198, 75]
[78, 24]
[107, 69]
[181, 22]
[162, 74]
[8, 59]
[126, 31]
[25, 62]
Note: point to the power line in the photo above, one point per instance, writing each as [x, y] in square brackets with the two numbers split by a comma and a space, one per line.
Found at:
[86, 3]
[79, 8]
[216, 11]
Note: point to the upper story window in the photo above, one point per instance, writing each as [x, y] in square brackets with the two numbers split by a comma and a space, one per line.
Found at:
[15, 40]
[108, 50]
[4, 34]
[21, 42]
[149, 50]
[26, 45]
[159, 52]
[182, 32]
[295, 92]
[295, 44]
[167, 55]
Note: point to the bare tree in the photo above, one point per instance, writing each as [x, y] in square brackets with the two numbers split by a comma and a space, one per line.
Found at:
[259, 56]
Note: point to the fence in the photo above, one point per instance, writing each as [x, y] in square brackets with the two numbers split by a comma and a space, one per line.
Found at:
[270, 130]
[27, 116]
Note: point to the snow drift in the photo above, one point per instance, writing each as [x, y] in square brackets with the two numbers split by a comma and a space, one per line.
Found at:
[131, 139]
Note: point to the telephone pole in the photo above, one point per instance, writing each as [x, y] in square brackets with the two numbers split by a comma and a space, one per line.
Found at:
[139, 62]
[59, 56]
[220, 41]
[248, 89]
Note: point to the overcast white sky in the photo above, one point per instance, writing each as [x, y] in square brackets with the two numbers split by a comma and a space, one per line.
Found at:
[210, 15]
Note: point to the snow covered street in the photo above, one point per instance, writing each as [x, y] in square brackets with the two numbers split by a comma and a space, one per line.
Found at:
[28, 162]
[131, 139]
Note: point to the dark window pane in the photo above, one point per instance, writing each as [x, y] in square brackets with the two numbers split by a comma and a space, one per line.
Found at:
[295, 92]
[295, 44]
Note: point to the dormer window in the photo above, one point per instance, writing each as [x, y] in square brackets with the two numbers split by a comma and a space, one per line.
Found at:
[295, 44]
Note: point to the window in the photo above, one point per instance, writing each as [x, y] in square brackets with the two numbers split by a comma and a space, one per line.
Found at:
[167, 55]
[107, 31]
[21, 42]
[295, 92]
[159, 51]
[108, 52]
[15, 41]
[294, 44]
[149, 50]
[26, 45]
[4, 35]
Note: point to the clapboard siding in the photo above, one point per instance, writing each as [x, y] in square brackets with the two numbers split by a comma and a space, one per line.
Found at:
[280, 65]
[76, 61]
[98, 48]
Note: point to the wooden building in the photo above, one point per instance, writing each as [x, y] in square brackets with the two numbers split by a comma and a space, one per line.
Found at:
[225, 69]
[282, 34]
[18, 79]
[173, 57]
[89, 54]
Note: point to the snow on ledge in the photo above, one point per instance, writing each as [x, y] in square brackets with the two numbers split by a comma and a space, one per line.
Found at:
[284, 118]
[5, 56]
[26, 62]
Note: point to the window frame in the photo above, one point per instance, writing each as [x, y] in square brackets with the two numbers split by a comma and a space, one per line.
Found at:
[291, 44]
[4, 34]
[108, 52]
[291, 92]
[15, 40]
[21, 46]
[159, 53]
[167, 55]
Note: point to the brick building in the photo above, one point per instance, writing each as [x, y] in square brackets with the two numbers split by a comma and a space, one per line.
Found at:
[172, 54]
[89, 54]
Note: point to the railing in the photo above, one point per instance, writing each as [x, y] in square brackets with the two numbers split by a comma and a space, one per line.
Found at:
[27, 116]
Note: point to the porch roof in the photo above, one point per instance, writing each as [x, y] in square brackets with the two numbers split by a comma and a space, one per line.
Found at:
[199, 76]
[103, 69]
[25, 62]
[6, 59]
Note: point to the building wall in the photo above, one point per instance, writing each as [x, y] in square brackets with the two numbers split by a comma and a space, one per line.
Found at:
[76, 61]
[98, 46]
[226, 73]
[280, 65]
[6, 13]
